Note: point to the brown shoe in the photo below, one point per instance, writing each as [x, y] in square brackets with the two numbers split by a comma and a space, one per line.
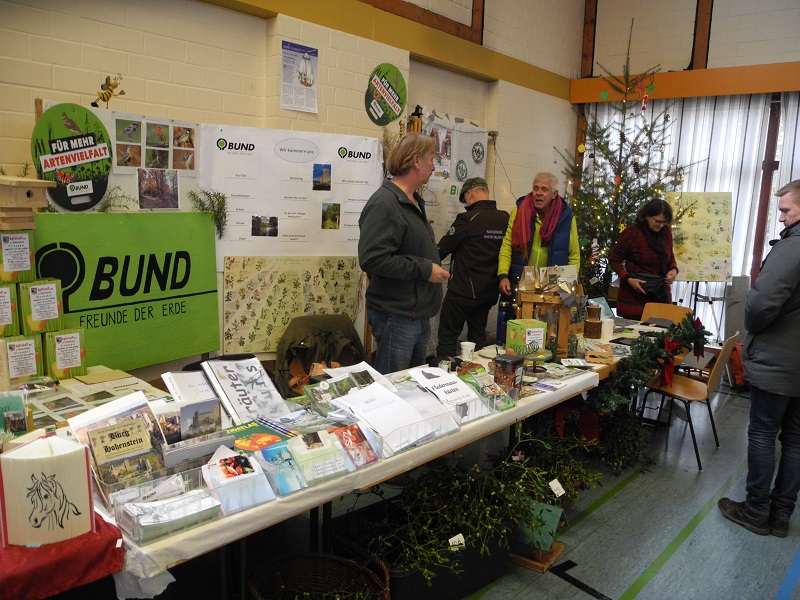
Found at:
[737, 512]
[778, 527]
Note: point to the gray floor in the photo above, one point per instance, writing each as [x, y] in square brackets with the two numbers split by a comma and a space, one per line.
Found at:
[651, 533]
[656, 533]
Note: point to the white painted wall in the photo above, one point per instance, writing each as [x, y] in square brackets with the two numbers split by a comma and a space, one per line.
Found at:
[662, 34]
[749, 32]
[743, 32]
[545, 33]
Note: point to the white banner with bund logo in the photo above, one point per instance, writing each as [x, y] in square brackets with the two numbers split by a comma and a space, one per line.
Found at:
[289, 193]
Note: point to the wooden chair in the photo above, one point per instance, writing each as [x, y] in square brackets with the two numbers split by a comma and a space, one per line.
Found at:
[689, 390]
[673, 312]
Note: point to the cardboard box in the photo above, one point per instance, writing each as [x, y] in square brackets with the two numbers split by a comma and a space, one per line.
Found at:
[16, 256]
[9, 314]
[40, 307]
[65, 353]
[20, 359]
[524, 336]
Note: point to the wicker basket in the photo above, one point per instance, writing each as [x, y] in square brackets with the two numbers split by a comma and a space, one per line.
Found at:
[317, 575]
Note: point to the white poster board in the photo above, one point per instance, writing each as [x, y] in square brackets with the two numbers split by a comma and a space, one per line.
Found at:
[289, 193]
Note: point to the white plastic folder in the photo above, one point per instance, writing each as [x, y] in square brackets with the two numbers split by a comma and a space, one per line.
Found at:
[45, 492]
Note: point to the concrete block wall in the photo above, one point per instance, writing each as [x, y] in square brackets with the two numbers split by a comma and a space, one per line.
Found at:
[663, 34]
[457, 10]
[180, 59]
[531, 126]
[345, 63]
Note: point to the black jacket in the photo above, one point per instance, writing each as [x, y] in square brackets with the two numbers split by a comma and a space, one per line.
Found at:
[474, 240]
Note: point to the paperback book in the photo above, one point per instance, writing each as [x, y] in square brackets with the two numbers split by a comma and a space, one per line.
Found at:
[188, 386]
[245, 388]
[451, 391]
[124, 437]
[281, 468]
[253, 436]
[320, 394]
[357, 447]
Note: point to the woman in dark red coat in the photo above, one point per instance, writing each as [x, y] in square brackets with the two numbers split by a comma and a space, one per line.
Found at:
[645, 249]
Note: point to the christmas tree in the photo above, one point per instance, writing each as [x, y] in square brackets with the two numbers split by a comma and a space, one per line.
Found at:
[620, 166]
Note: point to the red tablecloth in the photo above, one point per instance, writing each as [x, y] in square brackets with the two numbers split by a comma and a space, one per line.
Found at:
[34, 573]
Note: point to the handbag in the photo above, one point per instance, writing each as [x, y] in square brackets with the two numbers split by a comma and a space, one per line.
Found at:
[653, 284]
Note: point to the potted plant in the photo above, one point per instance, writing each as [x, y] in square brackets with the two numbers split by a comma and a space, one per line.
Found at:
[450, 527]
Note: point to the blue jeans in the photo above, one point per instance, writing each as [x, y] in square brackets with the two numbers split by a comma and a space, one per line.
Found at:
[402, 341]
[773, 416]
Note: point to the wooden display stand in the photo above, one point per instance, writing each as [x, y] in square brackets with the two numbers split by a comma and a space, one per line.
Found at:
[538, 560]
[547, 303]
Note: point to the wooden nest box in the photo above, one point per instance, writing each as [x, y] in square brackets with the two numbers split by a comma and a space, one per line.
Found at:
[19, 197]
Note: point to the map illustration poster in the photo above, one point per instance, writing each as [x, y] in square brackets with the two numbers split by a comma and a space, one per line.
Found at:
[702, 236]
[262, 294]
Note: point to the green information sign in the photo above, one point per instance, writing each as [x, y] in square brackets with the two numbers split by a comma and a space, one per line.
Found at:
[142, 285]
[70, 146]
[385, 99]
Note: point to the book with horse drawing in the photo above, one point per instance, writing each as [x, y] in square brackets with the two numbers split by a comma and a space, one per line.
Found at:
[45, 492]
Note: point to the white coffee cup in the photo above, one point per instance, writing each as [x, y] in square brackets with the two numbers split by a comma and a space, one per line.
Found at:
[467, 349]
[607, 328]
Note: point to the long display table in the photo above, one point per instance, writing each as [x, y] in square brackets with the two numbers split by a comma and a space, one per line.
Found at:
[147, 564]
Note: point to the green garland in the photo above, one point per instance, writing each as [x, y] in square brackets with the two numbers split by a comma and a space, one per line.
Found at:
[648, 353]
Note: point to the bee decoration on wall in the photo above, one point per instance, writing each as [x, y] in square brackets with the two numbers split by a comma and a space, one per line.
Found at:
[107, 90]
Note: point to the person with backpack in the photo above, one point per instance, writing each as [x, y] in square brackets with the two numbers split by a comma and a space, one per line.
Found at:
[771, 354]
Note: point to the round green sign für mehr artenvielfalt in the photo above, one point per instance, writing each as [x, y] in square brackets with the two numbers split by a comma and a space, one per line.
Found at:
[386, 95]
[70, 146]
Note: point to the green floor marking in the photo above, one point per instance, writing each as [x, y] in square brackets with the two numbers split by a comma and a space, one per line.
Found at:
[600, 501]
[676, 543]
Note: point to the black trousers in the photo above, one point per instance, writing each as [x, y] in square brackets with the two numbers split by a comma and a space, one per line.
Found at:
[457, 310]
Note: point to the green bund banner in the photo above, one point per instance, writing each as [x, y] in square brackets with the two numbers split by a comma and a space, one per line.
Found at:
[142, 285]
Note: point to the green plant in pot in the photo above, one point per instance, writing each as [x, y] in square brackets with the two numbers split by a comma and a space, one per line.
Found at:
[416, 533]
[538, 458]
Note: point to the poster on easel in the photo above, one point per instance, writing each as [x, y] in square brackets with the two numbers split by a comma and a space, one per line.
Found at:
[702, 239]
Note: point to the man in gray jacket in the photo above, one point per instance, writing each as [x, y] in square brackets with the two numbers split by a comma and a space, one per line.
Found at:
[772, 356]
[398, 252]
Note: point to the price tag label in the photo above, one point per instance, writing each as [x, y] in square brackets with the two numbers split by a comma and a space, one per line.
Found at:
[558, 490]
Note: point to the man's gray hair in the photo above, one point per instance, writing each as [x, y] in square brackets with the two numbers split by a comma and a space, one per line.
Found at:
[547, 175]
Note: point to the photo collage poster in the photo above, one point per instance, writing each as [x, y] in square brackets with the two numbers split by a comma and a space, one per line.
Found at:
[460, 155]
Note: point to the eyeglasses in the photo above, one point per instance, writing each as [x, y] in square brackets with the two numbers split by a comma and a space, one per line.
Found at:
[659, 221]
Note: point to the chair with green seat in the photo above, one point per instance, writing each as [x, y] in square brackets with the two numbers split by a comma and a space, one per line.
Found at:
[688, 390]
